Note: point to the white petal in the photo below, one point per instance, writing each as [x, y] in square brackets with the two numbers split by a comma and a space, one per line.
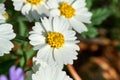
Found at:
[34, 13]
[83, 18]
[50, 73]
[72, 46]
[37, 47]
[78, 26]
[60, 25]
[68, 1]
[42, 10]
[37, 29]
[37, 39]
[18, 4]
[26, 8]
[65, 55]
[45, 54]
[82, 11]
[52, 4]
[58, 56]
[2, 19]
[2, 8]
[29, 16]
[83, 15]
[78, 4]
[6, 31]
[54, 12]
[47, 24]
[69, 35]
[5, 46]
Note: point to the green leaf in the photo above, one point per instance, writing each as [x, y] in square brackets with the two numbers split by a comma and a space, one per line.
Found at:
[89, 3]
[2, 1]
[99, 15]
[115, 1]
[22, 28]
[29, 54]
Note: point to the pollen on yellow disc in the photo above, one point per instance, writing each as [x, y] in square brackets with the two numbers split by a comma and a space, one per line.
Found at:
[34, 2]
[66, 10]
[55, 39]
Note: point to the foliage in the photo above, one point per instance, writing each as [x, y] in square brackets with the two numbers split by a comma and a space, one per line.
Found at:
[103, 12]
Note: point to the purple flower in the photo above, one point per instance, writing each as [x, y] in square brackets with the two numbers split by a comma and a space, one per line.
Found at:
[3, 77]
[14, 74]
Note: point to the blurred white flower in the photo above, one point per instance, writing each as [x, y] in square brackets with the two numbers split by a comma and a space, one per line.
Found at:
[6, 34]
[46, 72]
[74, 11]
[32, 9]
[3, 14]
[54, 40]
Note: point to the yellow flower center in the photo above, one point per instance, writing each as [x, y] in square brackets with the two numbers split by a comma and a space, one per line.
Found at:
[6, 15]
[55, 39]
[34, 2]
[67, 10]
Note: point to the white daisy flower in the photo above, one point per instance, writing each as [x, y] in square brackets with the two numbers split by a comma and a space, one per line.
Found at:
[54, 40]
[47, 72]
[32, 9]
[6, 34]
[3, 14]
[74, 11]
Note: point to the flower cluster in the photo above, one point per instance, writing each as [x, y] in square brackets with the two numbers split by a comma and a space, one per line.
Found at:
[53, 35]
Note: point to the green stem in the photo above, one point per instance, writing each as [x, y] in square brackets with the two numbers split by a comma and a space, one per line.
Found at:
[25, 58]
[29, 69]
[18, 37]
